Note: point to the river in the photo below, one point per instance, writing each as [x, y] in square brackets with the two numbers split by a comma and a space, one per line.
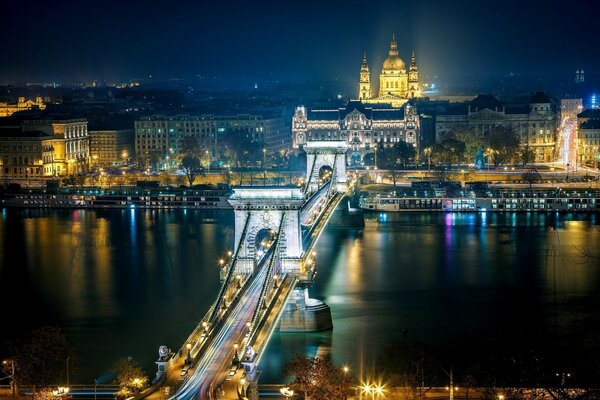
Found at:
[123, 282]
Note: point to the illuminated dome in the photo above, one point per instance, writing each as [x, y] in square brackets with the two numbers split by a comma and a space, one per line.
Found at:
[393, 62]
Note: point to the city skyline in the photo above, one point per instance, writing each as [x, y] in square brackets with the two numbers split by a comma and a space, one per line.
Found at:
[464, 42]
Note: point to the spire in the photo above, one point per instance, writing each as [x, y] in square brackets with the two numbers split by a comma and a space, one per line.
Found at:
[413, 62]
[393, 46]
[364, 85]
[365, 66]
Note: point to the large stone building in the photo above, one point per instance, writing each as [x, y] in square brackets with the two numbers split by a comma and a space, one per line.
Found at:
[588, 137]
[396, 84]
[534, 121]
[165, 134]
[360, 125]
[8, 109]
[74, 135]
[32, 154]
[111, 147]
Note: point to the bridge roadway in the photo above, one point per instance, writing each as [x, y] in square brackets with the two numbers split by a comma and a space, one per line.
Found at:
[209, 378]
[219, 354]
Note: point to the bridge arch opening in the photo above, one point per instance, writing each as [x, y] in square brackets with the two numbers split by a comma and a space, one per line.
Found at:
[325, 174]
[263, 240]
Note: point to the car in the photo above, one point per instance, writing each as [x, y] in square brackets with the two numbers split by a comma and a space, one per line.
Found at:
[183, 372]
[232, 372]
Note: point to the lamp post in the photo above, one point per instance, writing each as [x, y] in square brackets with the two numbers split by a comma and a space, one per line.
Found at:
[243, 383]
[563, 376]
[236, 358]
[188, 358]
[13, 386]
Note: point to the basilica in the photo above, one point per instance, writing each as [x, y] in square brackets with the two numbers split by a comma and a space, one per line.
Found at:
[396, 84]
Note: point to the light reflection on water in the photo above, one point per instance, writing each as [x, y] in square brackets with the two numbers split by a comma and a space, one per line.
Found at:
[123, 282]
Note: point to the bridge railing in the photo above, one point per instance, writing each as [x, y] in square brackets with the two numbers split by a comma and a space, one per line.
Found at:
[288, 283]
[230, 270]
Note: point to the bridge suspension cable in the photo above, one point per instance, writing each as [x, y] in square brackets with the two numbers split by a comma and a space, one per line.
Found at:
[312, 170]
[263, 292]
[331, 180]
[230, 269]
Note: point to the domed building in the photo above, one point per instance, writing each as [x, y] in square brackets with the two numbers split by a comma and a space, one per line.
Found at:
[396, 84]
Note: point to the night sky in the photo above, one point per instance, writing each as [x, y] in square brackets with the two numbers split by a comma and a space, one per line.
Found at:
[293, 40]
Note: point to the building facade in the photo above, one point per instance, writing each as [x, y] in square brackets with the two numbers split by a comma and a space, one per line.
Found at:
[361, 126]
[27, 155]
[397, 84]
[165, 134]
[111, 147]
[535, 122]
[8, 109]
[74, 135]
[588, 137]
[570, 108]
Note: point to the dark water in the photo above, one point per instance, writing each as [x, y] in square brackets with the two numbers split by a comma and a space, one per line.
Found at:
[122, 283]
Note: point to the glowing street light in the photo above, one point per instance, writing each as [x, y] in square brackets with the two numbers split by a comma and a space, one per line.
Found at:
[243, 383]
[286, 392]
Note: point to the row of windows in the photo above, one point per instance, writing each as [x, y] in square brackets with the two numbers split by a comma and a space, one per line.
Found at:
[20, 160]
[75, 132]
[22, 171]
[590, 142]
[20, 147]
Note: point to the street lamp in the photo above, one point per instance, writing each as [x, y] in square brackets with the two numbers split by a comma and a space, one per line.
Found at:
[13, 384]
[243, 382]
[188, 359]
[236, 358]
[564, 376]
[286, 392]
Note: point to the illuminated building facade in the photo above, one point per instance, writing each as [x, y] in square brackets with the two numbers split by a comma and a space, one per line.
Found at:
[8, 109]
[165, 134]
[74, 135]
[25, 155]
[361, 126]
[535, 121]
[397, 84]
[111, 147]
[588, 137]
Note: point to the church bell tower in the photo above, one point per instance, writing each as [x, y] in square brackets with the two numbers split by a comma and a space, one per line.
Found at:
[413, 78]
[364, 91]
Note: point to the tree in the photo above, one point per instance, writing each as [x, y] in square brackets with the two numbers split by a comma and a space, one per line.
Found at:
[505, 144]
[449, 151]
[410, 364]
[191, 145]
[318, 378]
[42, 358]
[191, 167]
[531, 177]
[80, 180]
[130, 377]
[164, 178]
[227, 176]
[472, 140]
[242, 144]
[391, 157]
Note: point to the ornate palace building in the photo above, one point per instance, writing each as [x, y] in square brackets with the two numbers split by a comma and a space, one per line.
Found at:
[360, 125]
[396, 84]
